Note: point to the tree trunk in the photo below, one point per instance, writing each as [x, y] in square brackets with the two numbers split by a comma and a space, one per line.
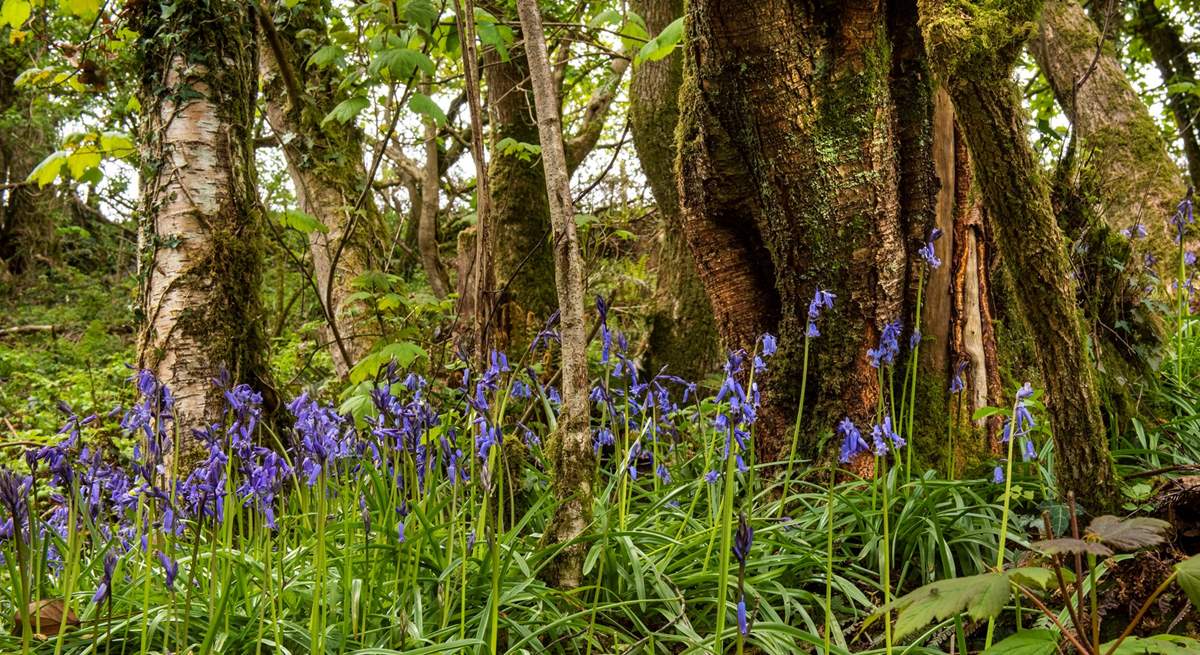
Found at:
[1171, 57]
[520, 212]
[789, 183]
[427, 242]
[200, 232]
[325, 162]
[573, 458]
[1137, 180]
[683, 336]
[27, 213]
[973, 49]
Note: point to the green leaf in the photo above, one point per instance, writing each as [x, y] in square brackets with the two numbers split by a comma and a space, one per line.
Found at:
[423, 104]
[1130, 533]
[421, 12]
[368, 367]
[327, 55]
[1036, 577]
[663, 44]
[980, 596]
[117, 144]
[402, 62]
[14, 13]
[1027, 642]
[1187, 574]
[1070, 546]
[49, 168]
[86, 9]
[346, 110]
[83, 159]
[610, 16]
[1156, 645]
[302, 221]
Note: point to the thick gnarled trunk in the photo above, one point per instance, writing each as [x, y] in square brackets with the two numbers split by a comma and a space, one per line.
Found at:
[200, 233]
[974, 58]
[789, 182]
[683, 336]
[325, 162]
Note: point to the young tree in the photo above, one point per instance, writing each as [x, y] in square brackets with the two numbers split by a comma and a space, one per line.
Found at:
[683, 336]
[325, 162]
[200, 231]
[572, 455]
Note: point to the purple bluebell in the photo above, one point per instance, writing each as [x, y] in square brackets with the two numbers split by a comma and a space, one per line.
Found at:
[821, 300]
[712, 476]
[889, 346]
[1029, 453]
[104, 590]
[743, 622]
[958, 383]
[769, 345]
[663, 473]
[927, 252]
[1183, 216]
[170, 569]
[852, 441]
[1138, 231]
[998, 475]
[885, 438]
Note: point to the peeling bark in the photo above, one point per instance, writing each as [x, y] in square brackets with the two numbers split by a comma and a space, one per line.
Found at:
[573, 458]
[202, 248]
[973, 47]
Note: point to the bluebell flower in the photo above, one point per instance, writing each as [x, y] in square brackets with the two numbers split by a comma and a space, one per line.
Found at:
[1029, 453]
[889, 346]
[604, 437]
[1183, 216]
[957, 383]
[1189, 258]
[712, 476]
[743, 622]
[998, 475]
[885, 437]
[663, 473]
[1138, 231]
[914, 340]
[104, 590]
[400, 532]
[927, 253]
[170, 569]
[821, 300]
[769, 345]
[852, 441]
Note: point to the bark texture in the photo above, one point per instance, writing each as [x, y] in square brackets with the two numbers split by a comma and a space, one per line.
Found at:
[572, 457]
[1138, 181]
[325, 162]
[427, 241]
[788, 178]
[973, 46]
[202, 255]
[683, 336]
[1171, 58]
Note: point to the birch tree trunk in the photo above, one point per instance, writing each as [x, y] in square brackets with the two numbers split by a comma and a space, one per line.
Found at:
[572, 456]
[202, 253]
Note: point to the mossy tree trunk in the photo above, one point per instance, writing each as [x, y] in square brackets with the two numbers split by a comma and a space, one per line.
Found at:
[325, 162]
[1173, 61]
[1137, 180]
[27, 213]
[973, 46]
[788, 174]
[202, 251]
[683, 336]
